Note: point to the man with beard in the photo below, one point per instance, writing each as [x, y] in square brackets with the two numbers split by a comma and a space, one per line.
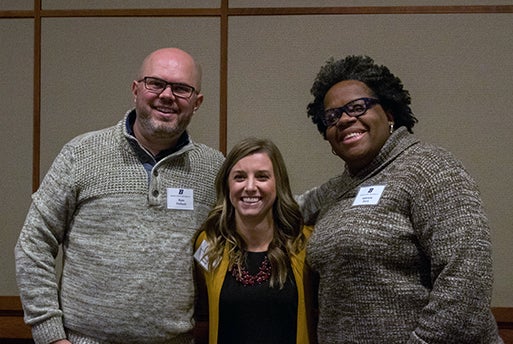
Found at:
[124, 202]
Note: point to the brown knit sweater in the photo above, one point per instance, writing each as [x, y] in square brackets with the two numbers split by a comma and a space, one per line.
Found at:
[416, 267]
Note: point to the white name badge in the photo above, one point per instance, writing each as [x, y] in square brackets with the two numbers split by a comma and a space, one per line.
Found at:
[180, 199]
[200, 256]
[369, 195]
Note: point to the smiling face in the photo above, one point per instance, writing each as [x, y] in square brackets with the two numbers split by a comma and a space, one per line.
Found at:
[164, 116]
[252, 188]
[357, 140]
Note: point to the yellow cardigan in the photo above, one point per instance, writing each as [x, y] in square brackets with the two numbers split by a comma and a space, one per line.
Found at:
[214, 282]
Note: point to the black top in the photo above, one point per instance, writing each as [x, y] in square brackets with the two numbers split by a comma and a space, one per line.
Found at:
[258, 313]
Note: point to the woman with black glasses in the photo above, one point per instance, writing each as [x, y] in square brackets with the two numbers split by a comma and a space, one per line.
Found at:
[401, 241]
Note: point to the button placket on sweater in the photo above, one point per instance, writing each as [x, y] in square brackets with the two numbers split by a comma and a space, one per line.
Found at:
[154, 189]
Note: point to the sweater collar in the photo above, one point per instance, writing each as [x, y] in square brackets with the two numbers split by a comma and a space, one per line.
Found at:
[396, 144]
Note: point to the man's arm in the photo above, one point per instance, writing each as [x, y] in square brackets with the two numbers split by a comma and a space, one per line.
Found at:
[37, 249]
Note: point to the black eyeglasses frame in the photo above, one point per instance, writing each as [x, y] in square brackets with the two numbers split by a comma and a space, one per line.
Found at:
[331, 116]
[166, 84]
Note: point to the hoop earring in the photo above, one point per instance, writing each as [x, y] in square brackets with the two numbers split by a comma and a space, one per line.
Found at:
[391, 125]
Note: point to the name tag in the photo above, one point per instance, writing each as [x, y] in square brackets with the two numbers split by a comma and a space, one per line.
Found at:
[200, 256]
[369, 195]
[180, 199]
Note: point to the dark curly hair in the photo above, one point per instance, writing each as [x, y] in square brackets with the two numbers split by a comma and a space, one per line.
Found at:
[385, 86]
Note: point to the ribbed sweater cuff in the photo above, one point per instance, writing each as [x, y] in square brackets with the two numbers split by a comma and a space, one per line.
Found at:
[48, 331]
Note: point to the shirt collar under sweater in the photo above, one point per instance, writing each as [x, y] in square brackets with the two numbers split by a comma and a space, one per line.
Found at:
[147, 159]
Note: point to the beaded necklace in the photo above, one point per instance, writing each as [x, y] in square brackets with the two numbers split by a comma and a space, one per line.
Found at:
[243, 276]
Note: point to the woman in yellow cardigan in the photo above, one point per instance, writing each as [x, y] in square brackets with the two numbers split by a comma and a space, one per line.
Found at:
[250, 253]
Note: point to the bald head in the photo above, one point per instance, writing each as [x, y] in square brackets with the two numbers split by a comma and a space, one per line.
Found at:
[172, 59]
[162, 116]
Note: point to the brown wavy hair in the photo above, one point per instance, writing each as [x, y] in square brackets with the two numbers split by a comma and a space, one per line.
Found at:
[220, 228]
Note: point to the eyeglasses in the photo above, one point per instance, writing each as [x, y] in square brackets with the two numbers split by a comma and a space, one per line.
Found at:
[158, 86]
[354, 108]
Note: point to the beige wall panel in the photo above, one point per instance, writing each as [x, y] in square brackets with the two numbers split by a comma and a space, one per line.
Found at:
[123, 4]
[88, 65]
[344, 3]
[16, 63]
[16, 5]
[458, 69]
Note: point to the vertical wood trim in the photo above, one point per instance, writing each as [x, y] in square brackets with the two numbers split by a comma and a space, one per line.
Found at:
[36, 118]
[223, 93]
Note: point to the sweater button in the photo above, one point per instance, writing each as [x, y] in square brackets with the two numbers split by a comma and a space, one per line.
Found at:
[155, 193]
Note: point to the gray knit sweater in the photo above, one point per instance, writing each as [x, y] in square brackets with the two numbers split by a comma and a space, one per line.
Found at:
[416, 267]
[127, 271]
